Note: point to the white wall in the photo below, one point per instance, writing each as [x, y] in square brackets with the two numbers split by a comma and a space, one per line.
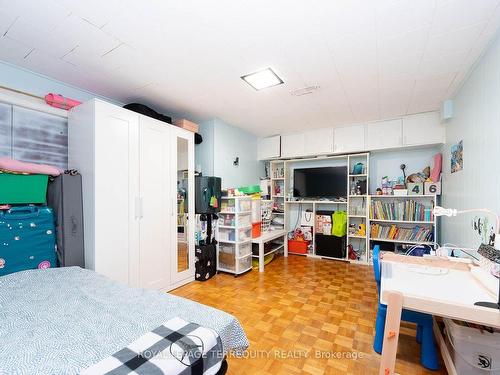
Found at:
[387, 163]
[476, 121]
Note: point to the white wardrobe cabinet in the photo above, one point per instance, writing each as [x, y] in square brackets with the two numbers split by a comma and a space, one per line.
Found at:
[137, 174]
[349, 139]
[384, 135]
[423, 129]
[269, 148]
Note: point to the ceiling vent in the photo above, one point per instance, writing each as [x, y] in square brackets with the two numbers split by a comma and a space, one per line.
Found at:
[304, 91]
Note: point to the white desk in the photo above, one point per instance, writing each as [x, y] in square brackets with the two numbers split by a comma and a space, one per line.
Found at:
[267, 237]
[445, 291]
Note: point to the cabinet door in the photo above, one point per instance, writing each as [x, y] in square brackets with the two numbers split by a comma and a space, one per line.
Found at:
[318, 142]
[269, 148]
[384, 134]
[156, 208]
[116, 169]
[292, 145]
[183, 217]
[423, 129]
[349, 139]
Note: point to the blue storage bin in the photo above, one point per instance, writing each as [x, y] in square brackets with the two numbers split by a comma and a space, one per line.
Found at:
[27, 239]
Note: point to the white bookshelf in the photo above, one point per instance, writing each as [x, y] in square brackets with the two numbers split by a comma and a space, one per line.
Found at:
[294, 207]
[429, 201]
[357, 208]
[277, 176]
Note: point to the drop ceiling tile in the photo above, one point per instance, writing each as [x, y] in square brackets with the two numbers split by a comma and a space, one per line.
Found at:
[400, 17]
[457, 14]
[7, 19]
[13, 51]
[454, 42]
[368, 57]
[96, 12]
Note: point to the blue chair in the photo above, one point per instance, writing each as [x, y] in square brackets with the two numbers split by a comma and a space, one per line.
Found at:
[425, 333]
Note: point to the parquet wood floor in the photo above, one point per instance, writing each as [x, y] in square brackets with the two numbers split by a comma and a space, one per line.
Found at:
[301, 305]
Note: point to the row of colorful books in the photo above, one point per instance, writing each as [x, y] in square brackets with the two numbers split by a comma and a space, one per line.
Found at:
[393, 232]
[408, 210]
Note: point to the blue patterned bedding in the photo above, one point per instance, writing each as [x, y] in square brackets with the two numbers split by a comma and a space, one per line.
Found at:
[62, 320]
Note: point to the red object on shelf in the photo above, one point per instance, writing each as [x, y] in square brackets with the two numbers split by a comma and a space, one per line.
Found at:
[299, 247]
[60, 101]
[256, 230]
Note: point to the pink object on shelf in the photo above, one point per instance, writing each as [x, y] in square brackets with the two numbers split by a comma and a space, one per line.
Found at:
[436, 169]
[16, 166]
[60, 101]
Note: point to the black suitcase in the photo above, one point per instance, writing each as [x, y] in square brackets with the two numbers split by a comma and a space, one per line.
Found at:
[207, 187]
[206, 262]
[64, 196]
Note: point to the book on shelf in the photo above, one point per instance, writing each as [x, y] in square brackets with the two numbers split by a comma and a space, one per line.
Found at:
[396, 233]
[408, 210]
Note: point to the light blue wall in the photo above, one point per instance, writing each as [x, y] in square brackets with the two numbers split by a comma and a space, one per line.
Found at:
[204, 152]
[30, 82]
[387, 163]
[231, 142]
[476, 122]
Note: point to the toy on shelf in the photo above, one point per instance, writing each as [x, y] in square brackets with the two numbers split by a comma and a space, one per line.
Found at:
[361, 230]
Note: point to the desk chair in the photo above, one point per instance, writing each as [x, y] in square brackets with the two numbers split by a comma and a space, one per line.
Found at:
[425, 333]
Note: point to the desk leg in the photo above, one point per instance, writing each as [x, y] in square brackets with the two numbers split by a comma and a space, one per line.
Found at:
[285, 247]
[261, 256]
[391, 333]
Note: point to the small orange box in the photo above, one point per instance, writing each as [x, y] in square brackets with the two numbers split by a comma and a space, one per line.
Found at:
[299, 247]
[186, 124]
[256, 230]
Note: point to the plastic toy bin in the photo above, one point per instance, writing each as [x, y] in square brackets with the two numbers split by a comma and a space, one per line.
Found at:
[299, 247]
[23, 189]
[473, 351]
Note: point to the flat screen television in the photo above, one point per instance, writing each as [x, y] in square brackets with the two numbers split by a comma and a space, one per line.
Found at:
[323, 182]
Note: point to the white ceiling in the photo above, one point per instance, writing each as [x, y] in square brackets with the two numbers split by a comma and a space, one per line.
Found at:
[373, 59]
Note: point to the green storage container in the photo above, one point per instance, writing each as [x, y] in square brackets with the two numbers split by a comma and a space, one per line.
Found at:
[23, 189]
[251, 189]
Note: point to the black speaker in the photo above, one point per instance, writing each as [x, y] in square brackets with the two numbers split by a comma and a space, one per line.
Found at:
[207, 187]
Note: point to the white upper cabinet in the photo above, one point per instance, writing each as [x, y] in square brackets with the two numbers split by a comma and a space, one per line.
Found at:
[269, 148]
[349, 139]
[423, 129]
[307, 143]
[318, 142]
[384, 135]
[292, 145]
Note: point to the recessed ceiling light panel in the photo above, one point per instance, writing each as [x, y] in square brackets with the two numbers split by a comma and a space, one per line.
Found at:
[262, 79]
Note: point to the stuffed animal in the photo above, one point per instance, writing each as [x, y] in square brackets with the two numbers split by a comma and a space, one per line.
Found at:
[361, 229]
[419, 176]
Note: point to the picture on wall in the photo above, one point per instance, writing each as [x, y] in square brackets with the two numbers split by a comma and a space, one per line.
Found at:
[457, 162]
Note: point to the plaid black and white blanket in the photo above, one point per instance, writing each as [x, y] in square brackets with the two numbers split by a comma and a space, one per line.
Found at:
[175, 347]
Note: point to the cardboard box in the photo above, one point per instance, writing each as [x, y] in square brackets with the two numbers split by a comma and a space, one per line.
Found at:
[186, 124]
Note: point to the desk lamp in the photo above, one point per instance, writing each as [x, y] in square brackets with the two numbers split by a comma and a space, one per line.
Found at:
[486, 251]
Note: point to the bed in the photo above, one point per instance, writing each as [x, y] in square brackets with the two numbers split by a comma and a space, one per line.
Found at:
[63, 320]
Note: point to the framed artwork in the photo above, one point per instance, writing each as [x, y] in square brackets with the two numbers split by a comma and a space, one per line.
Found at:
[457, 154]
